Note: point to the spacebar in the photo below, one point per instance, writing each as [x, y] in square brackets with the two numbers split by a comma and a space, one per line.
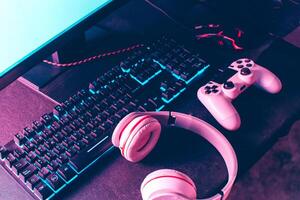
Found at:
[85, 158]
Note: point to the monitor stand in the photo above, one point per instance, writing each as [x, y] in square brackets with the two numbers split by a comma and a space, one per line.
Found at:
[42, 74]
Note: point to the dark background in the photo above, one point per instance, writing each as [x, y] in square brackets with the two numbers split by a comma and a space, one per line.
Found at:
[265, 117]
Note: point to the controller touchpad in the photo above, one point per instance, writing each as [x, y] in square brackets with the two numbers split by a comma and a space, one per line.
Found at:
[223, 75]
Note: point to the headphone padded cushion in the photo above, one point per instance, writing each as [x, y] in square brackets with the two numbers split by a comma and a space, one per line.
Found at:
[139, 137]
[121, 126]
[164, 183]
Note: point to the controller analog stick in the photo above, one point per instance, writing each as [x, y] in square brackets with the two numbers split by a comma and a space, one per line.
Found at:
[245, 71]
[228, 85]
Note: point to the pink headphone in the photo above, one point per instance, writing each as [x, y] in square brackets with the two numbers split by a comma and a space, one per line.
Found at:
[137, 134]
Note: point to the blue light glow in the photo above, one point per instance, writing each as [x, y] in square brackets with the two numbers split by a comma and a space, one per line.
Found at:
[28, 26]
[176, 95]
[56, 117]
[178, 77]
[160, 108]
[162, 89]
[146, 81]
[100, 156]
[197, 74]
[125, 70]
[91, 91]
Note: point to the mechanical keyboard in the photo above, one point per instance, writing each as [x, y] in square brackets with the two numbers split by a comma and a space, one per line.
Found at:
[54, 151]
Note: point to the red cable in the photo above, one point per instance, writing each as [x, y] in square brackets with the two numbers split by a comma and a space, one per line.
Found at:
[86, 60]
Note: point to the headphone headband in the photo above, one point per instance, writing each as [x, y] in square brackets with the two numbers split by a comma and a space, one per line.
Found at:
[208, 132]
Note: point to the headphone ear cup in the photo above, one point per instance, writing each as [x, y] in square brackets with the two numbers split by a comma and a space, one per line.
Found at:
[168, 184]
[120, 128]
[139, 137]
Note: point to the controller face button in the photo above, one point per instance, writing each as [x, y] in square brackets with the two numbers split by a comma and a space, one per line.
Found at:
[249, 65]
[240, 66]
[228, 85]
[239, 62]
[245, 71]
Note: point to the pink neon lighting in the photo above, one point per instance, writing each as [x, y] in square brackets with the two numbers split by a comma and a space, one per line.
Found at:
[220, 34]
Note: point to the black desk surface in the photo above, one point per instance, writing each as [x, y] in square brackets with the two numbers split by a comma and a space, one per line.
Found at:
[264, 118]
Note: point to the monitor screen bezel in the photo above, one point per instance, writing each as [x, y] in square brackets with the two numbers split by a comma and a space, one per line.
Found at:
[58, 43]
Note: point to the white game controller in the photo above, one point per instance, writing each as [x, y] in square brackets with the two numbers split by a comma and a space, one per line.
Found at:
[217, 95]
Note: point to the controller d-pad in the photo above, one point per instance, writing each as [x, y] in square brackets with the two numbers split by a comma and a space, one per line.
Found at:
[249, 65]
[228, 85]
[239, 62]
[214, 87]
[240, 66]
[211, 89]
[245, 71]
[247, 60]
[207, 92]
[207, 87]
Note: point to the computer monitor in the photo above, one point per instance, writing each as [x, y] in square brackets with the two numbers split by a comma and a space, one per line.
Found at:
[33, 29]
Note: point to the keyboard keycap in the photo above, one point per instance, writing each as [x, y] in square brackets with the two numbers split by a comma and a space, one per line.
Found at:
[66, 172]
[37, 126]
[19, 139]
[43, 191]
[27, 172]
[19, 165]
[44, 172]
[71, 152]
[50, 155]
[62, 159]
[41, 162]
[33, 181]
[58, 111]
[53, 165]
[19, 153]
[31, 157]
[3, 152]
[55, 181]
[28, 132]
[28, 146]
[59, 149]
[37, 140]
[81, 160]
[46, 119]
[10, 159]
[41, 150]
